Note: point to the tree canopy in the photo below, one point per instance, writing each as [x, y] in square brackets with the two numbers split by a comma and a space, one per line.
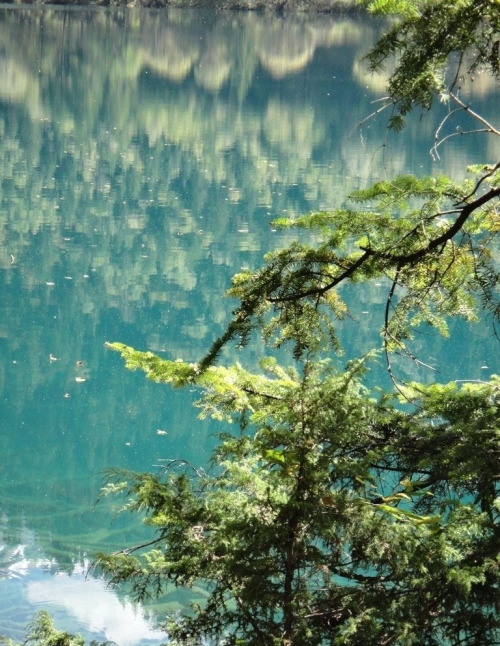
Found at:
[331, 514]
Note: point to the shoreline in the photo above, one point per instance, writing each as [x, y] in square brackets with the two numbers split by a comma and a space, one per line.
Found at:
[274, 6]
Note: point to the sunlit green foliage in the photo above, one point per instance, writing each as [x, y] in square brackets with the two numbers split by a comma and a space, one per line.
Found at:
[428, 236]
[41, 632]
[331, 516]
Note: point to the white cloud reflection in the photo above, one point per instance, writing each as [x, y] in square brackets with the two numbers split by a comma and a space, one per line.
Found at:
[95, 607]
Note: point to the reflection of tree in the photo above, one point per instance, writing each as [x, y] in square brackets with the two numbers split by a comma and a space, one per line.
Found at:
[214, 67]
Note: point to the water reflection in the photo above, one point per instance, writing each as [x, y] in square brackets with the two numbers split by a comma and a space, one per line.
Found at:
[142, 155]
[78, 603]
[94, 607]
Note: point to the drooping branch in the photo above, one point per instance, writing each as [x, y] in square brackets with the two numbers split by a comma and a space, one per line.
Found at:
[398, 260]
[446, 236]
[438, 277]
[460, 133]
[314, 291]
[489, 127]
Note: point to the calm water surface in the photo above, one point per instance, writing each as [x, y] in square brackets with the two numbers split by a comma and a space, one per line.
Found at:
[142, 157]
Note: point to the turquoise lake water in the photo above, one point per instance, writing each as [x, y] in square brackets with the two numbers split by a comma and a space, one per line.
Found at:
[142, 157]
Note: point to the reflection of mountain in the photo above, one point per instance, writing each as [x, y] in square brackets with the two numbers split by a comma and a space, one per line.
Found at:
[170, 52]
[136, 179]
[117, 136]
[286, 47]
[282, 46]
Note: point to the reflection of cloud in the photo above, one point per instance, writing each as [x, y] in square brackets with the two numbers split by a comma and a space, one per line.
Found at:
[96, 607]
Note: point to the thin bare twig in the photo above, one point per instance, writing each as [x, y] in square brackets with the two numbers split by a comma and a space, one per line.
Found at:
[433, 151]
[377, 111]
[437, 134]
[490, 172]
[457, 73]
[475, 115]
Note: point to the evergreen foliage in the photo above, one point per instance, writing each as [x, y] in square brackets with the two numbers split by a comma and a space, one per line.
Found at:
[330, 516]
[429, 237]
[436, 46]
[41, 632]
